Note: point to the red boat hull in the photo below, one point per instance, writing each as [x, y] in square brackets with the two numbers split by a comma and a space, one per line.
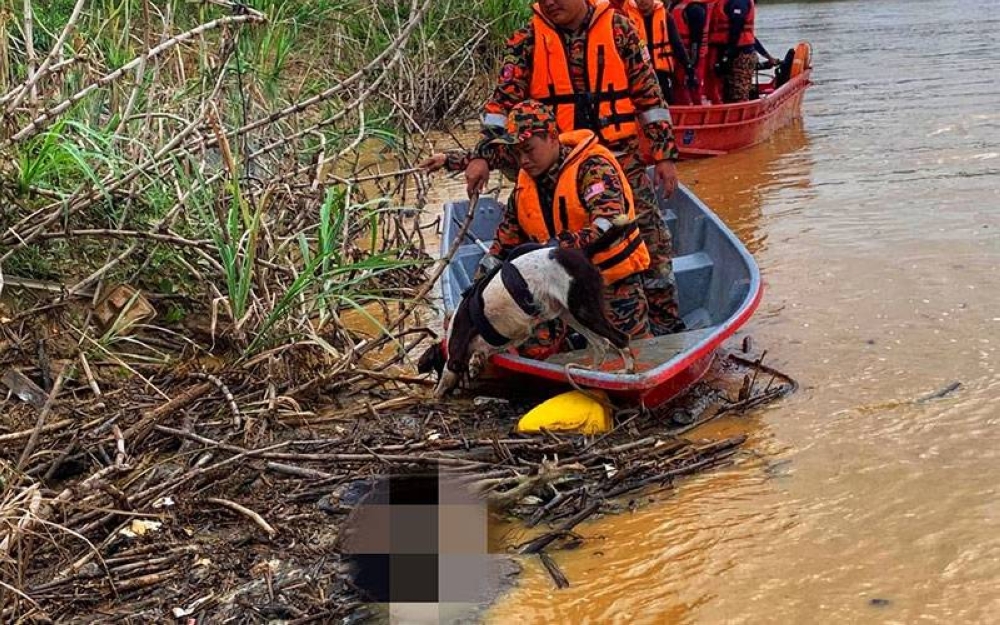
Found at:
[712, 130]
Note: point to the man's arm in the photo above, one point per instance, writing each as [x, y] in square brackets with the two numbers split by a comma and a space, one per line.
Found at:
[676, 43]
[696, 16]
[511, 89]
[645, 90]
[601, 190]
[737, 11]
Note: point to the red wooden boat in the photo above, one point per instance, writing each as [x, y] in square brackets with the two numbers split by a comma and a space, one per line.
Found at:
[715, 129]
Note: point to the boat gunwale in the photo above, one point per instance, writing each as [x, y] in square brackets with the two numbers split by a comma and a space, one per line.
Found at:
[660, 374]
[782, 93]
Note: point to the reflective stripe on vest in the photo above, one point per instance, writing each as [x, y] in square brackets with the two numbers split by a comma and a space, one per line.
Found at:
[568, 213]
[718, 26]
[655, 115]
[658, 43]
[606, 107]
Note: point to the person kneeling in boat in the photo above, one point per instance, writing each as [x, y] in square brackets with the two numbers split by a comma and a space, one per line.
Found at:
[569, 190]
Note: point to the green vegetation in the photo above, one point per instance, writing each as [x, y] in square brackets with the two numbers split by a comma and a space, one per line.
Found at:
[209, 152]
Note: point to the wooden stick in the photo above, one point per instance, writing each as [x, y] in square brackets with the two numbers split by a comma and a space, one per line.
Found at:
[544, 540]
[140, 430]
[247, 512]
[291, 469]
[557, 575]
[51, 427]
[42, 415]
[90, 376]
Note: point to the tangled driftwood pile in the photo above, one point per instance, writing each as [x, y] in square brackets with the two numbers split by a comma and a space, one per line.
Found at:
[208, 504]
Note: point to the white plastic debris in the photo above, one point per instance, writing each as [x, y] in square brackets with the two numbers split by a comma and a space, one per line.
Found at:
[140, 527]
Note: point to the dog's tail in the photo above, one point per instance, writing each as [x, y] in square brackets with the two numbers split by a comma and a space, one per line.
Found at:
[620, 228]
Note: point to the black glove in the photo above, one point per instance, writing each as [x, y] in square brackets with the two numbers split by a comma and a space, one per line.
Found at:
[722, 67]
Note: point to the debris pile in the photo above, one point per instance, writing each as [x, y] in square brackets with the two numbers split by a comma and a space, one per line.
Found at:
[206, 502]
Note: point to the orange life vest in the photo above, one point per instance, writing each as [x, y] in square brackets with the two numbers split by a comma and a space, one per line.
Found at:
[568, 213]
[680, 20]
[607, 105]
[658, 42]
[718, 29]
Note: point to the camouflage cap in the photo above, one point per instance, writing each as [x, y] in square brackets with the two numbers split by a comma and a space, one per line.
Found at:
[528, 118]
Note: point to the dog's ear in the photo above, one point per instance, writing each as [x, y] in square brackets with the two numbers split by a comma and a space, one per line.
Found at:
[432, 359]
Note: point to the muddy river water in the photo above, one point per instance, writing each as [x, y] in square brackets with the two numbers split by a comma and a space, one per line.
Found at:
[876, 224]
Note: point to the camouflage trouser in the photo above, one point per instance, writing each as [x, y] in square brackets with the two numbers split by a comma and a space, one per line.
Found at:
[626, 307]
[658, 280]
[740, 77]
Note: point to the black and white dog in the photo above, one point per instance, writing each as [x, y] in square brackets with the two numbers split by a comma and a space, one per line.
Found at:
[534, 284]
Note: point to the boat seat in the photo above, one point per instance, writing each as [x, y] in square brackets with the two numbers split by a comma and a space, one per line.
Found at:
[693, 273]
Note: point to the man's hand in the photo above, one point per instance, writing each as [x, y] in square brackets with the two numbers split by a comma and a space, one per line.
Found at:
[665, 177]
[488, 263]
[433, 163]
[723, 65]
[692, 78]
[476, 175]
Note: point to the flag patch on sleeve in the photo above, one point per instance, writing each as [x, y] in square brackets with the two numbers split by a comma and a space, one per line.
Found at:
[594, 190]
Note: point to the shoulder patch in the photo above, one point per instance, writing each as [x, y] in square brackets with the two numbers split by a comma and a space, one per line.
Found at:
[593, 191]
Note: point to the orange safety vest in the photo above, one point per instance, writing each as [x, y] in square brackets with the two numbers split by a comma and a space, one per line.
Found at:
[681, 21]
[718, 26]
[658, 42]
[567, 212]
[607, 79]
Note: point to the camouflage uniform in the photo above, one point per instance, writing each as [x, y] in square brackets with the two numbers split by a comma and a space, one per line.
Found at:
[740, 77]
[515, 76]
[602, 190]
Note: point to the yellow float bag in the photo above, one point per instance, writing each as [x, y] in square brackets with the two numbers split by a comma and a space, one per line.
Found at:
[573, 412]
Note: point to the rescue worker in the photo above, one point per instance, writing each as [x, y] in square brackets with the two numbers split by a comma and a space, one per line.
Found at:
[731, 37]
[570, 189]
[656, 28]
[690, 17]
[586, 60]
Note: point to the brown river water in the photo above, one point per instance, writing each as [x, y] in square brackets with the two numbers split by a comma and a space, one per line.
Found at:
[876, 225]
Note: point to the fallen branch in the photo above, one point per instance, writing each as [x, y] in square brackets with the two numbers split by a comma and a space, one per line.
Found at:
[247, 512]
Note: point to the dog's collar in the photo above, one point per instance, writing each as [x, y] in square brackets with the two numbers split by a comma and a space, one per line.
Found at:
[486, 329]
[515, 284]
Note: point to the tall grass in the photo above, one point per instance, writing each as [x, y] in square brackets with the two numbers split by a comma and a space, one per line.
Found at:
[219, 164]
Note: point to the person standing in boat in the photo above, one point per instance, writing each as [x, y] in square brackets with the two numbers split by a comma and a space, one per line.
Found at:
[570, 189]
[586, 60]
[690, 18]
[733, 50]
[666, 50]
